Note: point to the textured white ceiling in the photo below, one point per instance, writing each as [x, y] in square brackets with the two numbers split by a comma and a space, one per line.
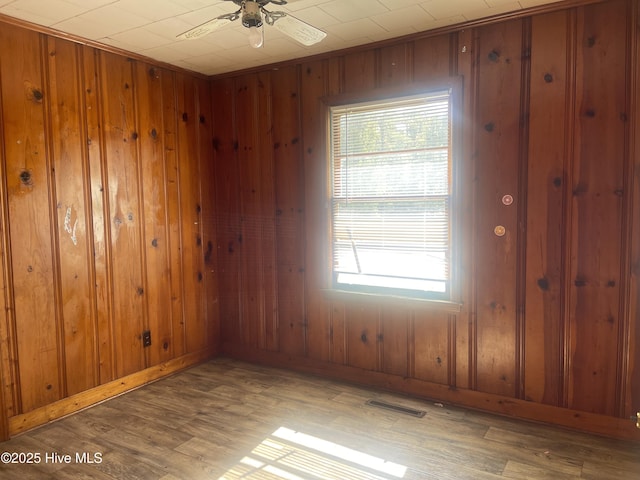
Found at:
[149, 27]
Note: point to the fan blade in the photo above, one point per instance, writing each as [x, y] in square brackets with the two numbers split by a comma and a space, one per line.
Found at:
[207, 27]
[277, 2]
[297, 29]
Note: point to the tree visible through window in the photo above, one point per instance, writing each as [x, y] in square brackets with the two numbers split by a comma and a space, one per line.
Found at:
[391, 195]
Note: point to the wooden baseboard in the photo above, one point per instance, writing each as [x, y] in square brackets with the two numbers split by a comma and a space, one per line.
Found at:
[593, 423]
[54, 411]
[573, 419]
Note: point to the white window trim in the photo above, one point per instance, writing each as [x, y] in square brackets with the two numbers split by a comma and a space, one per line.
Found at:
[450, 301]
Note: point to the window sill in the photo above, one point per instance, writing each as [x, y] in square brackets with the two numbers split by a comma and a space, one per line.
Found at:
[410, 302]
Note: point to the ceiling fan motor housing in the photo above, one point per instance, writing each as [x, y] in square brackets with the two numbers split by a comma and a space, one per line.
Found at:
[251, 16]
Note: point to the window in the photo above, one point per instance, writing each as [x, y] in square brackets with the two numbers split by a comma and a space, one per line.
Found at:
[391, 170]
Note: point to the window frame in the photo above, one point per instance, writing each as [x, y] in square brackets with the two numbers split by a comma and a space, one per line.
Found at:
[452, 297]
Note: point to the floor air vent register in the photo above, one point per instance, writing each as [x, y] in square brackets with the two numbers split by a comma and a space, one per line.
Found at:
[396, 408]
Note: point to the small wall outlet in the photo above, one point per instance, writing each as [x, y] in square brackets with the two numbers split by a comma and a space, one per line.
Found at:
[146, 338]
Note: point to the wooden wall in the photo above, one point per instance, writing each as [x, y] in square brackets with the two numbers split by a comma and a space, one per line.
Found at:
[546, 325]
[113, 220]
[107, 224]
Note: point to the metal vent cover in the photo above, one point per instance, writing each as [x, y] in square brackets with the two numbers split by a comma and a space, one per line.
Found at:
[396, 408]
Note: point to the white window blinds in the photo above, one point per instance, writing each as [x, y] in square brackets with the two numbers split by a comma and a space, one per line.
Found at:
[391, 172]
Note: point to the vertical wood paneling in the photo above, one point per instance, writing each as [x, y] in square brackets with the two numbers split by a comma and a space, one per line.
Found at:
[598, 190]
[289, 196]
[322, 327]
[431, 346]
[339, 350]
[522, 187]
[632, 381]
[4, 423]
[452, 355]
[556, 321]
[190, 214]
[498, 151]
[266, 213]
[545, 215]
[27, 181]
[395, 338]
[101, 234]
[523, 324]
[149, 108]
[315, 178]
[120, 156]
[227, 207]
[432, 58]
[74, 243]
[395, 65]
[362, 336]
[533, 303]
[248, 135]
[360, 71]
[85, 132]
[171, 117]
[100, 226]
[8, 393]
[334, 75]
[464, 188]
[209, 222]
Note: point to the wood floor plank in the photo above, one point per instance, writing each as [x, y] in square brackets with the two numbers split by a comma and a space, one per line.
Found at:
[125, 464]
[577, 446]
[81, 472]
[525, 471]
[27, 474]
[60, 439]
[444, 429]
[206, 451]
[38, 465]
[612, 470]
[536, 452]
[227, 419]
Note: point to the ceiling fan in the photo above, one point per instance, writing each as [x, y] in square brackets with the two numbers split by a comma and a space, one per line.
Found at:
[252, 13]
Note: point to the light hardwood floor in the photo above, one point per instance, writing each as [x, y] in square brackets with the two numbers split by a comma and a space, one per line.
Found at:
[232, 420]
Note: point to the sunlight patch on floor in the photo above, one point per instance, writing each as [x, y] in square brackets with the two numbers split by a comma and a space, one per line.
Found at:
[290, 455]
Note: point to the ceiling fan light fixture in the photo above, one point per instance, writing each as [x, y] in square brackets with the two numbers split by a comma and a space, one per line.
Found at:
[254, 14]
[256, 38]
[251, 16]
[252, 19]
